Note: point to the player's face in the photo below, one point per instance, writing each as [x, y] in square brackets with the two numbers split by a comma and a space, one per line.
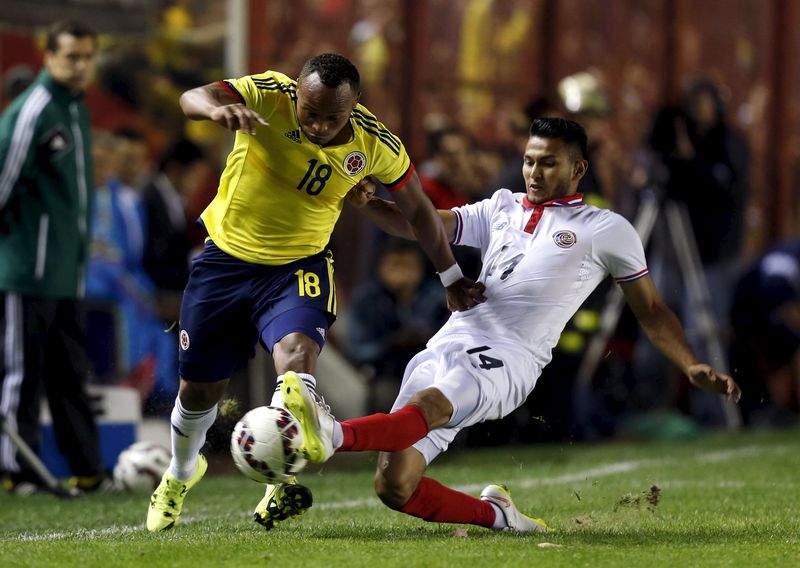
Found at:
[72, 64]
[551, 170]
[323, 112]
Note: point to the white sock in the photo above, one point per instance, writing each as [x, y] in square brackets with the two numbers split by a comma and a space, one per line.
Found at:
[277, 396]
[338, 435]
[499, 518]
[188, 434]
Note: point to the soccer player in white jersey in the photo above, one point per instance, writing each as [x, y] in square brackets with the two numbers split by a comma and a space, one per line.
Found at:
[543, 253]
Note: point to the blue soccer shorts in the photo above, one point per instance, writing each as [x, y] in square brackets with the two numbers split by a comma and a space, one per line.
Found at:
[229, 305]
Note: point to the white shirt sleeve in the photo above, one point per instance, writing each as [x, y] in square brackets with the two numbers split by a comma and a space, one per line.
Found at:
[474, 222]
[618, 247]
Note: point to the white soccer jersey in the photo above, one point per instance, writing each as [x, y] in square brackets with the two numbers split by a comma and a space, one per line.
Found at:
[535, 282]
[540, 262]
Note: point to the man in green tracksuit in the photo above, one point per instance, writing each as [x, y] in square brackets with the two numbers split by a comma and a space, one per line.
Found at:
[45, 184]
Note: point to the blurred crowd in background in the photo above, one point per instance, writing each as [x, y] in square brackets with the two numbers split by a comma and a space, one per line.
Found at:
[678, 105]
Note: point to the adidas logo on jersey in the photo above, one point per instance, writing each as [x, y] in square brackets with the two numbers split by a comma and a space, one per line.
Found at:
[293, 135]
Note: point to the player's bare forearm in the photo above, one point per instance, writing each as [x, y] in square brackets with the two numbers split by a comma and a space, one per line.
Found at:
[198, 103]
[429, 232]
[665, 332]
[216, 103]
[425, 222]
[388, 217]
[659, 322]
[663, 328]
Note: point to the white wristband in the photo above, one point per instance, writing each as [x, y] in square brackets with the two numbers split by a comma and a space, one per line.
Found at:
[451, 275]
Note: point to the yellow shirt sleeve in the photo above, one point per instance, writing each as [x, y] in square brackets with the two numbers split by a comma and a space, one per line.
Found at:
[252, 90]
[392, 165]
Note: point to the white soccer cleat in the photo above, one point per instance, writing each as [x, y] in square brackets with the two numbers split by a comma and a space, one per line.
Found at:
[516, 521]
[313, 415]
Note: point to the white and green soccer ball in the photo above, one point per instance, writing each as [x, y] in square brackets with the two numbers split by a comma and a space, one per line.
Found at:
[140, 466]
[265, 445]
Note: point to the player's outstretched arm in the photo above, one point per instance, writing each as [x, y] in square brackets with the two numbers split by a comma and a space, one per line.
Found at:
[388, 216]
[413, 217]
[664, 330]
[215, 102]
[427, 226]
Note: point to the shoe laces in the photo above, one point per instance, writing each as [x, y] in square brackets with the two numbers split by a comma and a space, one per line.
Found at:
[167, 492]
[321, 402]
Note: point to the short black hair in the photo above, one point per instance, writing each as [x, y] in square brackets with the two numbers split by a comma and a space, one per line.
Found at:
[333, 70]
[181, 151]
[564, 129]
[699, 86]
[67, 27]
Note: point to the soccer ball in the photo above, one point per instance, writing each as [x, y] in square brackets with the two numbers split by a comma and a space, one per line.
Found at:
[140, 466]
[265, 445]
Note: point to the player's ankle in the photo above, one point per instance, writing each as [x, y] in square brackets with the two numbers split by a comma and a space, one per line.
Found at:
[348, 436]
[500, 518]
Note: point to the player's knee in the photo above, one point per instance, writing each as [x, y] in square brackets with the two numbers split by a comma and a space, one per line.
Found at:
[201, 396]
[394, 489]
[295, 352]
[436, 407]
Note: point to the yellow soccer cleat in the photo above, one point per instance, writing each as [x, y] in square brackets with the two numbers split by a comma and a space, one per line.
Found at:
[281, 501]
[516, 521]
[313, 415]
[166, 501]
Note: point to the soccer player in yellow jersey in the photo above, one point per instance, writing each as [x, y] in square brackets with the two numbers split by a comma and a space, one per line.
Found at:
[302, 148]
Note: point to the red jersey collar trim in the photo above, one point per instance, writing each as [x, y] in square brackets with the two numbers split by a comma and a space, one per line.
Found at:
[571, 201]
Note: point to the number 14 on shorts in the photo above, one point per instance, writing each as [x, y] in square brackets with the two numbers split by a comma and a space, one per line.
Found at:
[484, 361]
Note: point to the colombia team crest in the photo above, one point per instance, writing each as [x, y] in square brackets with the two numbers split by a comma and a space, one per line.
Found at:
[565, 239]
[184, 337]
[354, 162]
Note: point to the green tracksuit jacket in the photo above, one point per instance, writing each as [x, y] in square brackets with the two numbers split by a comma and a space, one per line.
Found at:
[45, 183]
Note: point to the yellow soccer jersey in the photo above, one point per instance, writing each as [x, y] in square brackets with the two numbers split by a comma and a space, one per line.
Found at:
[280, 194]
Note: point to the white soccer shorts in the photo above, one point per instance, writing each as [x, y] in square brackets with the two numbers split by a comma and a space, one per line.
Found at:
[483, 380]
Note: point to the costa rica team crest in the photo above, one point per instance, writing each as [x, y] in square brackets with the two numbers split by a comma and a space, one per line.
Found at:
[565, 239]
[354, 162]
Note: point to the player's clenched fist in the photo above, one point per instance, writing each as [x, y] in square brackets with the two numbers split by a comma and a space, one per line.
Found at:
[237, 117]
[464, 294]
[361, 193]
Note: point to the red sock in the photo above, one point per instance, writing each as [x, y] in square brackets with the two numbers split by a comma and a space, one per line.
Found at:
[434, 502]
[385, 432]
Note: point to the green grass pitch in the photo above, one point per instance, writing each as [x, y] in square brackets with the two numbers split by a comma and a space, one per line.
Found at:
[720, 500]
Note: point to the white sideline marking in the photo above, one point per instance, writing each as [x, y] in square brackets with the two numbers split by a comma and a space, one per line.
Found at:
[599, 471]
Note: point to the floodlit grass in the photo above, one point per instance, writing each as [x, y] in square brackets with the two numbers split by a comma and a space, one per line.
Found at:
[718, 501]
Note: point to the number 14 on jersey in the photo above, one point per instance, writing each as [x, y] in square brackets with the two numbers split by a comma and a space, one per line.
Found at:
[485, 361]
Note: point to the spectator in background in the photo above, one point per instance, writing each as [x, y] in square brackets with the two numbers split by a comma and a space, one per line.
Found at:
[451, 177]
[766, 342]
[390, 319]
[45, 200]
[706, 162]
[132, 157]
[181, 170]
[702, 162]
[147, 357]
